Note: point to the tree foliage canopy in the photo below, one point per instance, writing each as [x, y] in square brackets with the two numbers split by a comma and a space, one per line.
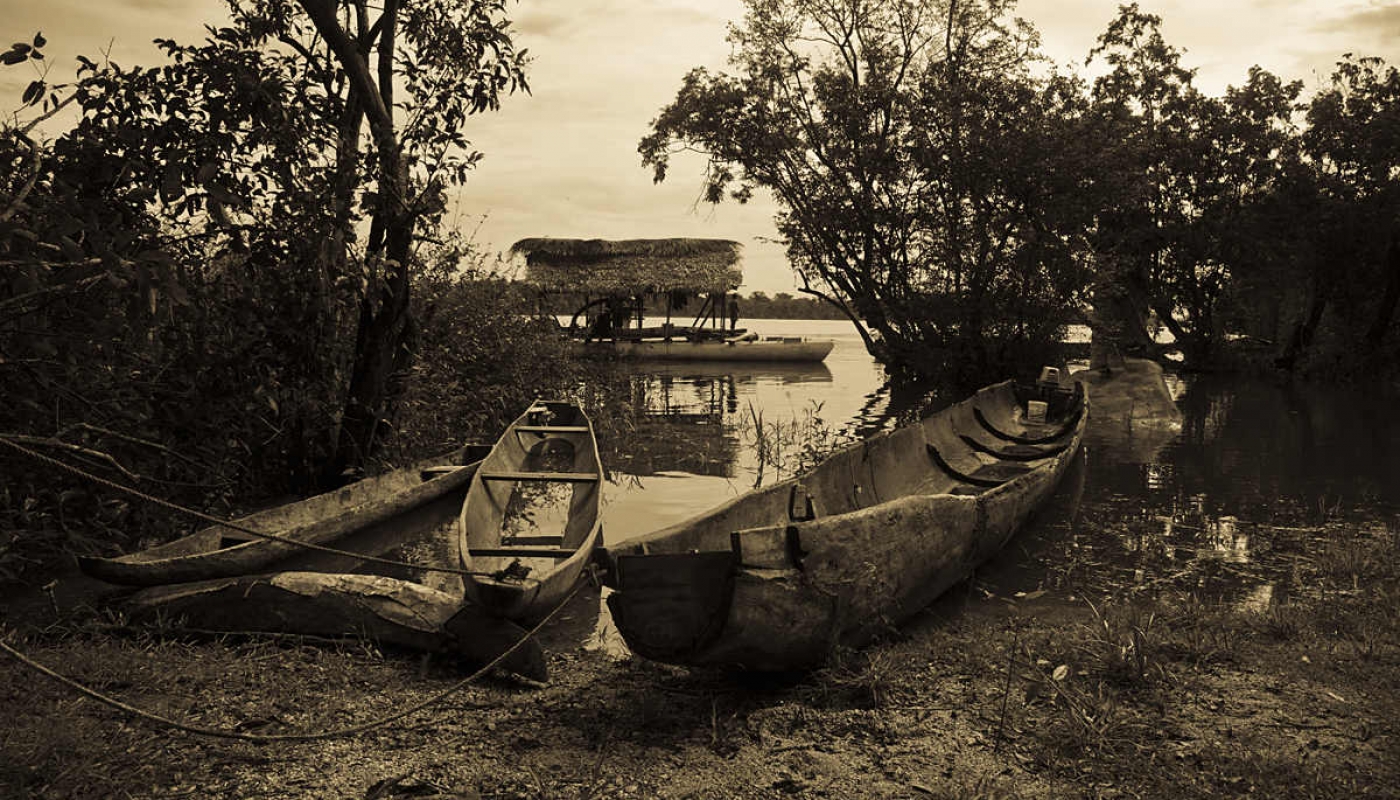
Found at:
[216, 260]
[903, 144]
[961, 203]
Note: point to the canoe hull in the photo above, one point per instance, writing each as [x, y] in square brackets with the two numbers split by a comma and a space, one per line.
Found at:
[382, 610]
[521, 575]
[791, 350]
[219, 551]
[880, 540]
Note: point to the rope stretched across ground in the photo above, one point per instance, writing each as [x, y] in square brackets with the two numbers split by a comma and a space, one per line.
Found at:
[220, 733]
[227, 523]
[254, 737]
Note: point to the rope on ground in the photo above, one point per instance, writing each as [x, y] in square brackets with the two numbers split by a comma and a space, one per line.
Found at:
[220, 733]
[228, 523]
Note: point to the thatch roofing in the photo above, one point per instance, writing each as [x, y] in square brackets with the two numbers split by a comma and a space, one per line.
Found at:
[631, 266]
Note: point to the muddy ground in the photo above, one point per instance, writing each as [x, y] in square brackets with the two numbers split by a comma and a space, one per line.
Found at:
[1051, 694]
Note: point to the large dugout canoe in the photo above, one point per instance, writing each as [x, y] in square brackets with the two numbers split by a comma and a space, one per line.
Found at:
[776, 578]
[326, 519]
[524, 574]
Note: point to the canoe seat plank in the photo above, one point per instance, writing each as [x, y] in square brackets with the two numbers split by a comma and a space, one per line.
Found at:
[1061, 432]
[534, 541]
[552, 428]
[520, 552]
[562, 477]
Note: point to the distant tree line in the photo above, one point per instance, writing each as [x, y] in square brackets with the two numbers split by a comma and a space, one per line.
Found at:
[961, 203]
[782, 305]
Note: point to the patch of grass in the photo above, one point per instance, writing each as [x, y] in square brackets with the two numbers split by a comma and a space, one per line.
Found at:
[859, 679]
[1198, 633]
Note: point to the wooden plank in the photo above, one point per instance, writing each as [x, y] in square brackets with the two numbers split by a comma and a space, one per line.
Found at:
[552, 541]
[562, 477]
[767, 548]
[520, 552]
[551, 428]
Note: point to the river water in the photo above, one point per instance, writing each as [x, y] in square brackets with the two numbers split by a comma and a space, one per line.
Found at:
[1257, 476]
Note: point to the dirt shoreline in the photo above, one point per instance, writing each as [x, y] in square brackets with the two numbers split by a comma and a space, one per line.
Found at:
[983, 696]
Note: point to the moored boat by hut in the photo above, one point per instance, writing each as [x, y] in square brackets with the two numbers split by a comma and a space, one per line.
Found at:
[610, 279]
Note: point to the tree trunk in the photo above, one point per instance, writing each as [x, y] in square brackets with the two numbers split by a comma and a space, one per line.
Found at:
[1306, 328]
[385, 332]
[1385, 312]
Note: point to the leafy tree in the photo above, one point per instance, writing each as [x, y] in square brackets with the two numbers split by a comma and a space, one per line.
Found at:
[1190, 171]
[890, 135]
[206, 280]
[1352, 145]
[253, 148]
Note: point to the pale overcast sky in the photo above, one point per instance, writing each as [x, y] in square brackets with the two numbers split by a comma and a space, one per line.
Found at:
[563, 161]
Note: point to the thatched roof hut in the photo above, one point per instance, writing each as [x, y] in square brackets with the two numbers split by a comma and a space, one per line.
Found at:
[629, 267]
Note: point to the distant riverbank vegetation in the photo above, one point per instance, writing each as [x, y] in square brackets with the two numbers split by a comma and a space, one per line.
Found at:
[232, 275]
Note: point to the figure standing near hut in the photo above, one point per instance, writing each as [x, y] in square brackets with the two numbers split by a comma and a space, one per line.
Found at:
[734, 312]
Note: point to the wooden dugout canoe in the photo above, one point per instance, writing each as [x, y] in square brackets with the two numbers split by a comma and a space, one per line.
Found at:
[776, 578]
[523, 575]
[219, 551]
[765, 349]
[377, 608]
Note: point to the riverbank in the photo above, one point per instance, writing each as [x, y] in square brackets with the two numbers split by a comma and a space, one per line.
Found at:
[1143, 639]
[1054, 693]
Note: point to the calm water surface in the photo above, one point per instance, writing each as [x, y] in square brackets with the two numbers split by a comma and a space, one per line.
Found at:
[1258, 478]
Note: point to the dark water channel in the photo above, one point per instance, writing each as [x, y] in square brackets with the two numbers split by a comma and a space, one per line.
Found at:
[1234, 505]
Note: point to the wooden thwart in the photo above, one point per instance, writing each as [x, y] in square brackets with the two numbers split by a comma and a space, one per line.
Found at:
[552, 428]
[521, 552]
[532, 541]
[561, 477]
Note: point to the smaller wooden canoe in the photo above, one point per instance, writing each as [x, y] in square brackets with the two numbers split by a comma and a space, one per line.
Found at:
[382, 610]
[522, 571]
[218, 551]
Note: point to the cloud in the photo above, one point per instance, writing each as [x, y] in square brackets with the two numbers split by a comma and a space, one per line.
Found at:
[1377, 23]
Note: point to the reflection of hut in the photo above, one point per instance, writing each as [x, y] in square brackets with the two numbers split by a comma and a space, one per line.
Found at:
[661, 423]
[610, 281]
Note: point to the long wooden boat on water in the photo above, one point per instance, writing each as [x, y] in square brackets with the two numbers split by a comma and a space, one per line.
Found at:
[776, 578]
[752, 348]
[219, 551]
[521, 572]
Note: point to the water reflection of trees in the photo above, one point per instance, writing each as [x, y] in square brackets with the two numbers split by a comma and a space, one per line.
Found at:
[649, 423]
[1230, 505]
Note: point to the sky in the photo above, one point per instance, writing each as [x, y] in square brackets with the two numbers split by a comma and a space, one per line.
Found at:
[562, 161]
